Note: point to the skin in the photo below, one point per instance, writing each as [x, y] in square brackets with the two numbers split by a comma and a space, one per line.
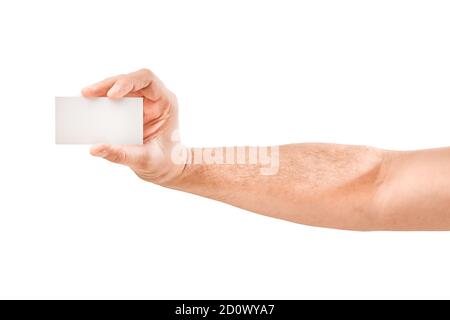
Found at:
[325, 185]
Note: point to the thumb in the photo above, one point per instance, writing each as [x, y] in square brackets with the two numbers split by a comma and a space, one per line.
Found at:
[118, 154]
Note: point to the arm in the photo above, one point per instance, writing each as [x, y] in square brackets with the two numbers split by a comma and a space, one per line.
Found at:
[337, 186]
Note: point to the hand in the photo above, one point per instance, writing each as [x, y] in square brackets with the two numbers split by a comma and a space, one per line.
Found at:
[154, 160]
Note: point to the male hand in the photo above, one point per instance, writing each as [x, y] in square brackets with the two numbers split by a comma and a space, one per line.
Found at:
[153, 161]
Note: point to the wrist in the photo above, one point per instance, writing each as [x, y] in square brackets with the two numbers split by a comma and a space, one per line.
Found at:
[177, 175]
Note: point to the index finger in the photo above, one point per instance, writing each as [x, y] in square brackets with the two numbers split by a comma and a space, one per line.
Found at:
[99, 89]
[139, 83]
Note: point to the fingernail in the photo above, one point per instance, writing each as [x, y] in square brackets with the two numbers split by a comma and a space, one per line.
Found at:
[101, 154]
[113, 91]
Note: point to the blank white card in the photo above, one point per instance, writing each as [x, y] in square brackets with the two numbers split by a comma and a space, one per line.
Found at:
[80, 120]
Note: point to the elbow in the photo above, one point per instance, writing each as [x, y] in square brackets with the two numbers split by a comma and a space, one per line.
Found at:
[383, 200]
[411, 191]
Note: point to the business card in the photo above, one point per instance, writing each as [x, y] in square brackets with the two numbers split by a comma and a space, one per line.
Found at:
[80, 120]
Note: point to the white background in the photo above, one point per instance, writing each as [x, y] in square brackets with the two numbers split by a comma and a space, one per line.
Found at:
[245, 72]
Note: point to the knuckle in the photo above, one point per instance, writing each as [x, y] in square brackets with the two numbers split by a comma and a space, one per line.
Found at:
[172, 97]
[119, 157]
[168, 98]
[142, 162]
[116, 78]
[167, 105]
[122, 157]
[146, 71]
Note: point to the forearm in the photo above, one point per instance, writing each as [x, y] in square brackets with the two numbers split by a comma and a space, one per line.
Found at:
[346, 187]
[316, 184]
